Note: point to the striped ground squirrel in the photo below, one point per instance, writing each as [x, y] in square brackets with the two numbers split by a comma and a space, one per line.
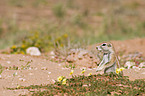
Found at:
[110, 60]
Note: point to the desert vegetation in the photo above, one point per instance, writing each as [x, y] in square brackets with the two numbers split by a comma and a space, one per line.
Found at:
[107, 84]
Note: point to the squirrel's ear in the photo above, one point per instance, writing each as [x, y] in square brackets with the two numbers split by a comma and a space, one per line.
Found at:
[109, 45]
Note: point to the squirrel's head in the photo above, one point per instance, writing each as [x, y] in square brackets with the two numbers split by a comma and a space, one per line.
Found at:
[105, 47]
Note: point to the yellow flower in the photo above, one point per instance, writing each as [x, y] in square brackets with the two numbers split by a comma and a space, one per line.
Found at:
[14, 47]
[37, 45]
[16, 53]
[22, 52]
[121, 69]
[18, 86]
[61, 45]
[72, 71]
[59, 79]
[64, 82]
[83, 71]
[23, 46]
[117, 71]
[90, 74]
[65, 35]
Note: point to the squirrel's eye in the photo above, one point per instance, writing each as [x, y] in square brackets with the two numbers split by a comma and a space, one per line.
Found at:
[103, 44]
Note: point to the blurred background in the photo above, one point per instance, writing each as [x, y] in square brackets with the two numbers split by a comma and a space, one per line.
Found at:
[51, 23]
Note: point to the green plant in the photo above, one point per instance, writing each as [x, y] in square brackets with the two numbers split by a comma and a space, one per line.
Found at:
[1, 68]
[59, 10]
[133, 5]
[70, 65]
[78, 20]
[12, 68]
[11, 34]
[27, 66]
[17, 3]
[42, 41]
[101, 85]
[38, 3]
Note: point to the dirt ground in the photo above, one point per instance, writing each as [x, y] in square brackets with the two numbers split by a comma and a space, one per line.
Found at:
[40, 70]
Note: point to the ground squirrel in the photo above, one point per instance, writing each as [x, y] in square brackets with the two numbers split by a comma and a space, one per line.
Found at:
[110, 60]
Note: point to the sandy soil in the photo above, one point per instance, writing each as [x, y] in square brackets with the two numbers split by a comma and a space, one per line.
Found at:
[43, 71]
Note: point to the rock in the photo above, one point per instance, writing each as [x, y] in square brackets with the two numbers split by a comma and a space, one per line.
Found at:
[8, 62]
[141, 65]
[31, 74]
[52, 57]
[30, 68]
[83, 68]
[85, 85]
[52, 53]
[22, 79]
[128, 64]
[34, 51]
[49, 72]
[59, 64]
[15, 74]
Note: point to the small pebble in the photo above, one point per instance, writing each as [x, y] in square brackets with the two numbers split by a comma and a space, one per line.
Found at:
[30, 68]
[53, 81]
[95, 68]
[8, 62]
[64, 68]
[83, 68]
[9, 76]
[15, 74]
[52, 53]
[59, 64]
[22, 79]
[89, 69]
[49, 72]
[85, 85]
[52, 57]
[31, 74]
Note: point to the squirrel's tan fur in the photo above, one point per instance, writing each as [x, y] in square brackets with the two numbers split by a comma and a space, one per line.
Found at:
[110, 60]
